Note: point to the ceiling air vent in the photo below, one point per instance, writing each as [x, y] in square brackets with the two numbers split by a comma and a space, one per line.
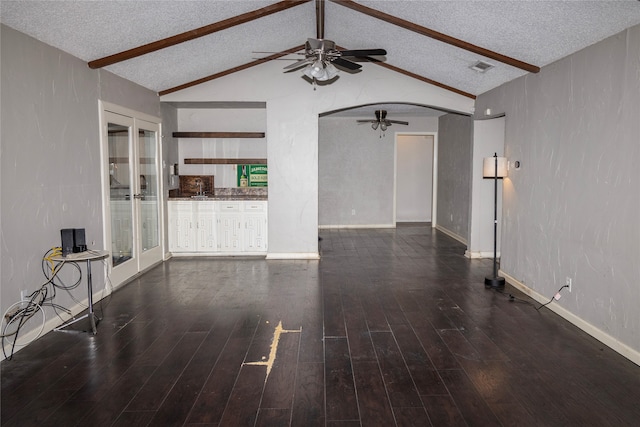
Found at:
[481, 66]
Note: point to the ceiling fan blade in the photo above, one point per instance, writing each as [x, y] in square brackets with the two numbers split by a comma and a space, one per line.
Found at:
[346, 64]
[398, 122]
[366, 121]
[299, 64]
[364, 52]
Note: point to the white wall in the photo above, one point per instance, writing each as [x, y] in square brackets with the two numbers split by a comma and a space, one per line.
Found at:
[293, 107]
[50, 170]
[220, 120]
[573, 209]
[455, 146]
[414, 177]
[356, 171]
[488, 139]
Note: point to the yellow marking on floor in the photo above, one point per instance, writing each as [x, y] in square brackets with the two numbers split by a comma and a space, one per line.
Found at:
[274, 348]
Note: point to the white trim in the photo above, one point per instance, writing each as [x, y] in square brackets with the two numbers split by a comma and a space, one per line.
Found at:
[611, 342]
[294, 255]
[452, 234]
[434, 192]
[326, 227]
[480, 254]
[218, 254]
[434, 178]
[134, 120]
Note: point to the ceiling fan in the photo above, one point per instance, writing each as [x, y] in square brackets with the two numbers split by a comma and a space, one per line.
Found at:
[321, 56]
[382, 121]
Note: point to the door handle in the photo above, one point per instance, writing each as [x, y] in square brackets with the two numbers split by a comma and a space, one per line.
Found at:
[138, 196]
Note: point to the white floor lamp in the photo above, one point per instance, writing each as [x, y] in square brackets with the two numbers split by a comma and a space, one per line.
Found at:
[494, 167]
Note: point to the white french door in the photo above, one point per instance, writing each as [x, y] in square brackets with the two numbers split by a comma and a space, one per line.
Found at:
[132, 190]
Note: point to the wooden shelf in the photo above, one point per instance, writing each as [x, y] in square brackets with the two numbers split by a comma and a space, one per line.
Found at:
[225, 161]
[218, 134]
[125, 160]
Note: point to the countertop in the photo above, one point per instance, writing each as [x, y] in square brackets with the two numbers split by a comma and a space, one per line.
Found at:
[221, 194]
[219, 198]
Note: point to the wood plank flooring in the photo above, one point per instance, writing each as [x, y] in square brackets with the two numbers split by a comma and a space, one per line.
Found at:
[393, 327]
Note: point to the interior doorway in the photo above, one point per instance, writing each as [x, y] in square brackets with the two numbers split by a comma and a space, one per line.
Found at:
[415, 177]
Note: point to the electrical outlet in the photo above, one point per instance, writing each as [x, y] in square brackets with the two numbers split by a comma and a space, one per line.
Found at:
[353, 211]
[23, 294]
[569, 283]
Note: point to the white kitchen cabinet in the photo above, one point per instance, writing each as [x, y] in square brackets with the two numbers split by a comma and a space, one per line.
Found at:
[218, 227]
[255, 226]
[182, 236]
[229, 226]
[206, 227]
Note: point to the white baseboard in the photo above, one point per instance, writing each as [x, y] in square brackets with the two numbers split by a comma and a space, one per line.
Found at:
[606, 339]
[328, 227]
[480, 254]
[452, 234]
[294, 255]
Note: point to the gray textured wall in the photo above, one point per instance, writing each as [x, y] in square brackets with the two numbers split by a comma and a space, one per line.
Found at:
[573, 209]
[356, 170]
[50, 170]
[455, 139]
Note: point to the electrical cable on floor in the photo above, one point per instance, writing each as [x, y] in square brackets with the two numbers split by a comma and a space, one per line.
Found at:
[38, 299]
[43, 297]
[556, 297]
[512, 298]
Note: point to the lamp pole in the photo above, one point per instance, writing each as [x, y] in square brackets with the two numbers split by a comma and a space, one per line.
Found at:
[495, 281]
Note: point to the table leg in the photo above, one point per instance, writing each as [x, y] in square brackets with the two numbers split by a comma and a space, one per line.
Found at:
[92, 318]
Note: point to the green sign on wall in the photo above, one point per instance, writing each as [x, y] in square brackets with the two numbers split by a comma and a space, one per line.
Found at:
[252, 175]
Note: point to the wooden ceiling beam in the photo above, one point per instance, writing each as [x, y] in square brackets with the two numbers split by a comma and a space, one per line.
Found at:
[437, 35]
[194, 34]
[232, 70]
[424, 79]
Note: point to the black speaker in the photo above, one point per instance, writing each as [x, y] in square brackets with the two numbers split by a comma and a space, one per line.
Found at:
[67, 241]
[79, 241]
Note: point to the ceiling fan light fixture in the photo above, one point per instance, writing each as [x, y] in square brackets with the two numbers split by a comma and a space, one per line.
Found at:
[383, 126]
[374, 125]
[321, 71]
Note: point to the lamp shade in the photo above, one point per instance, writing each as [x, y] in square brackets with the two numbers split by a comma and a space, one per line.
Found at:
[321, 71]
[489, 167]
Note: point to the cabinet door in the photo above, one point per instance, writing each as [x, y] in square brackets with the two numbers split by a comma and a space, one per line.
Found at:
[255, 232]
[207, 225]
[182, 236]
[229, 232]
[255, 226]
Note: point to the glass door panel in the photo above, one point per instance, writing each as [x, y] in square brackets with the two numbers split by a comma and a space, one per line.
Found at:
[147, 198]
[120, 187]
[148, 188]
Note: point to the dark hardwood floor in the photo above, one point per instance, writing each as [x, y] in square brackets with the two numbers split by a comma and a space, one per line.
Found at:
[390, 328]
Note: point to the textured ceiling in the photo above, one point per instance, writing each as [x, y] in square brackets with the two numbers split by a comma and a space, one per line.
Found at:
[537, 32]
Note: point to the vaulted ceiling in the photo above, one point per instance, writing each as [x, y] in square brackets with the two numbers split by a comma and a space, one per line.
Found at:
[164, 45]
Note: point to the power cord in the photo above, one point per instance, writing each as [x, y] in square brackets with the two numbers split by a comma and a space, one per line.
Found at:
[17, 315]
[556, 297]
[513, 298]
